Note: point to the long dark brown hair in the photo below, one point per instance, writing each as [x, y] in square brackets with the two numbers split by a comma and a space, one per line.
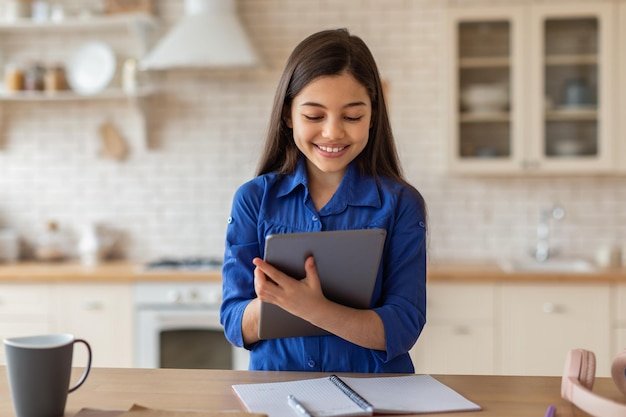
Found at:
[327, 53]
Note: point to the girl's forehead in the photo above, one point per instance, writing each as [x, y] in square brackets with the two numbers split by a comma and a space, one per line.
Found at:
[329, 87]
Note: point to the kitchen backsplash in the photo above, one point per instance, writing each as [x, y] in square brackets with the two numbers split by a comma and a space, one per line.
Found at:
[172, 195]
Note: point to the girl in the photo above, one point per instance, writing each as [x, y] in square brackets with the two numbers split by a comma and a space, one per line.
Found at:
[329, 163]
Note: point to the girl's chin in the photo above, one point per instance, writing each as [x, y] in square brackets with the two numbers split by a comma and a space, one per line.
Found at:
[331, 167]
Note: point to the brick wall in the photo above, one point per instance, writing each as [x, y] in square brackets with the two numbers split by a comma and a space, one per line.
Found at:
[205, 130]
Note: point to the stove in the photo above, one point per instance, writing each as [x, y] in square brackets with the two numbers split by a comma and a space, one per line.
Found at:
[184, 264]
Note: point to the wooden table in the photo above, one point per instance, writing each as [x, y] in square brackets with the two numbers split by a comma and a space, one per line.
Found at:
[119, 389]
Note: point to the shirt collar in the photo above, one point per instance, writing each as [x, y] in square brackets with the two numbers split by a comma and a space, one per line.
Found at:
[355, 189]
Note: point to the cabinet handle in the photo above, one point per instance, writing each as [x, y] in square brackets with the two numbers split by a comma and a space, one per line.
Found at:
[93, 305]
[530, 164]
[461, 330]
[550, 308]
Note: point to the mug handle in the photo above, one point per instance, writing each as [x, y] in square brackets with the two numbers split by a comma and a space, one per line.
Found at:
[87, 369]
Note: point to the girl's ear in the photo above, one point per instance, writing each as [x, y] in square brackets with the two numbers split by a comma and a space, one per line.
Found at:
[287, 117]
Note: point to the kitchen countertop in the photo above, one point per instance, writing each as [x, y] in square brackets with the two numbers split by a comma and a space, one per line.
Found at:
[109, 272]
[121, 272]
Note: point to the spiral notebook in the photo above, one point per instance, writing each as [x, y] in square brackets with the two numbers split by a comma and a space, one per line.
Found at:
[335, 396]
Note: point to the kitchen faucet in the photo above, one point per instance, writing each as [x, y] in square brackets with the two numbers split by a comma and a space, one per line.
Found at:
[543, 251]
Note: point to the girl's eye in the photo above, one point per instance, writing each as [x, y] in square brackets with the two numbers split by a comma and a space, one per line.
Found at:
[312, 118]
[354, 119]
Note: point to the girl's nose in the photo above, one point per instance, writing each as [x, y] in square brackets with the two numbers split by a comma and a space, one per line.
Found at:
[333, 129]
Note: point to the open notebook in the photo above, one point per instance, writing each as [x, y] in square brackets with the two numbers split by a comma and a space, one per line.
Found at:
[362, 396]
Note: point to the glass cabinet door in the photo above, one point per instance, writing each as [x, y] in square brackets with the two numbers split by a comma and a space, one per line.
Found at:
[531, 88]
[573, 108]
[484, 80]
[486, 107]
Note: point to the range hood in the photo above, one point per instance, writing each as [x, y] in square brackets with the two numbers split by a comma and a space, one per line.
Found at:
[209, 35]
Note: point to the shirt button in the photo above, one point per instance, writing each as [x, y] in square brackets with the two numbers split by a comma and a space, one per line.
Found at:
[230, 220]
[311, 363]
[314, 218]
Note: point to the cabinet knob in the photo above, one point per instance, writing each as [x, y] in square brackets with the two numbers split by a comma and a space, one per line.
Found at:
[550, 308]
[461, 330]
[92, 305]
[530, 164]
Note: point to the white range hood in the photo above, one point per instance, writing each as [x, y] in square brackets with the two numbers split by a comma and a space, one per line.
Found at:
[209, 35]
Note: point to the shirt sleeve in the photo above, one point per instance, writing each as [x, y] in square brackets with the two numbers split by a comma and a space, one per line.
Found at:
[241, 247]
[403, 304]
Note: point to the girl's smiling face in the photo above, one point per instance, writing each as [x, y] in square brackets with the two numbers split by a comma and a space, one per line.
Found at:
[330, 118]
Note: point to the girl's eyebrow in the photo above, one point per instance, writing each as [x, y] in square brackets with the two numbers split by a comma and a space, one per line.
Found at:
[314, 104]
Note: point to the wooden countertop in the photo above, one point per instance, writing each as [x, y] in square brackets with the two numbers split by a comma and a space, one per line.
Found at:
[109, 272]
[492, 272]
[122, 272]
[210, 390]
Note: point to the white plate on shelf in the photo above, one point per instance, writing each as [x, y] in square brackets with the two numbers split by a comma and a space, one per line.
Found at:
[91, 67]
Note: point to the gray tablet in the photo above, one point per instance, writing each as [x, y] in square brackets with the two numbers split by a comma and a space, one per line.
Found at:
[347, 262]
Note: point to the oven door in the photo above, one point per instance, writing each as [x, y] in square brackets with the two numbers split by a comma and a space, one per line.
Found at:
[184, 338]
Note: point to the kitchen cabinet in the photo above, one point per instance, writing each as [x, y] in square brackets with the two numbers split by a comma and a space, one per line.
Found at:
[139, 27]
[459, 335]
[530, 88]
[103, 315]
[542, 322]
[24, 311]
[514, 328]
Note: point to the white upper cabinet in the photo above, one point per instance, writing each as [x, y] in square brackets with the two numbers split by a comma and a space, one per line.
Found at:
[530, 89]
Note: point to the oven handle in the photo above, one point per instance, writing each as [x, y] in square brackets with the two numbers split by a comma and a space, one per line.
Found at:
[196, 320]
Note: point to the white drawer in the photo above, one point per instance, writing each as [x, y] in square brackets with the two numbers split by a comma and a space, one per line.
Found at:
[454, 302]
[28, 299]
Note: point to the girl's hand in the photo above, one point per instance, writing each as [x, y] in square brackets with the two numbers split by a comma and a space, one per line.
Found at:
[304, 298]
[298, 297]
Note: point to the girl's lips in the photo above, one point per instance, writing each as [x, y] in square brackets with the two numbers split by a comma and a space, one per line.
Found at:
[332, 151]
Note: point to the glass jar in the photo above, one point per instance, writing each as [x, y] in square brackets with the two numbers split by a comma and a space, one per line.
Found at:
[129, 76]
[54, 78]
[50, 244]
[34, 77]
[13, 77]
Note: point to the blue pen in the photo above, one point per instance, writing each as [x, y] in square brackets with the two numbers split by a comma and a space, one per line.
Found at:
[551, 411]
[298, 406]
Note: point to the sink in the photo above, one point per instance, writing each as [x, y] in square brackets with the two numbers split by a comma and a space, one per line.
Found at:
[551, 265]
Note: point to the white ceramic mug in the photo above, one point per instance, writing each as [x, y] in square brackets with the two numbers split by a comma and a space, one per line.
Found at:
[39, 369]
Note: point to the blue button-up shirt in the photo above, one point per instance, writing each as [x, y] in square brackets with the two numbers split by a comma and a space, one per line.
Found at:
[273, 203]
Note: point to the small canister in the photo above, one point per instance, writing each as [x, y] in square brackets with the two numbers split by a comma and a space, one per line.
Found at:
[129, 76]
[54, 78]
[34, 77]
[13, 77]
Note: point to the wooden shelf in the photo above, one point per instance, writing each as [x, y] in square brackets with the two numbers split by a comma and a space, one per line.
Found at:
[140, 26]
[74, 23]
[485, 117]
[487, 62]
[571, 60]
[108, 94]
[572, 114]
